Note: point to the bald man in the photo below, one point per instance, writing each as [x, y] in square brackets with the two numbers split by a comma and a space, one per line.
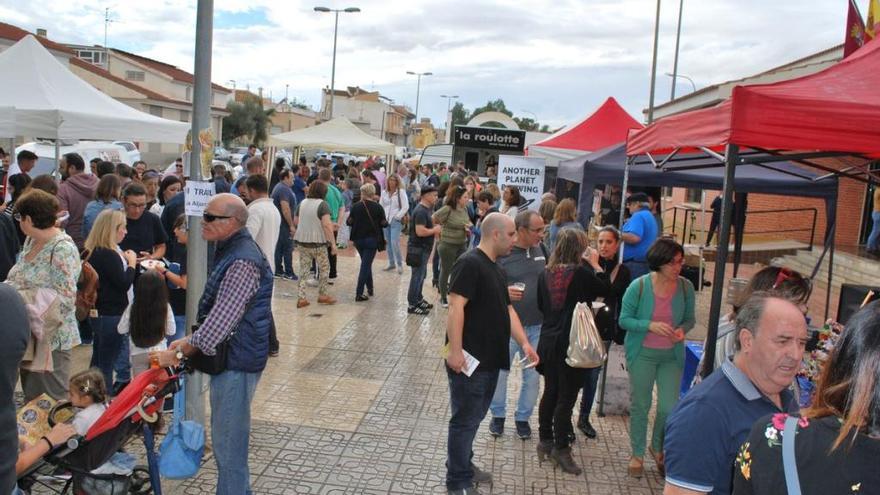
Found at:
[235, 310]
[480, 323]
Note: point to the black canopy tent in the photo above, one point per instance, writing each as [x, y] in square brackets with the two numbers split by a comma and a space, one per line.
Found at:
[701, 171]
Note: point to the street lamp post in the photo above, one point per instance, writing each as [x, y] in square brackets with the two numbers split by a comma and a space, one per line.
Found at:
[674, 76]
[418, 87]
[349, 10]
[449, 99]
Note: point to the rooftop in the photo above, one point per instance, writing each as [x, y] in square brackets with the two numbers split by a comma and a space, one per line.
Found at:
[174, 72]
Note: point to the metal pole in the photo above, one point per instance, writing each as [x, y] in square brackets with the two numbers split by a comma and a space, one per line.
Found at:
[830, 271]
[418, 90]
[720, 258]
[654, 65]
[623, 203]
[333, 69]
[197, 248]
[677, 40]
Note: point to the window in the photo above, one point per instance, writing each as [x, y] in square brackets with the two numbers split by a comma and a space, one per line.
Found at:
[666, 192]
[134, 75]
[98, 57]
[693, 195]
[184, 115]
[156, 110]
[189, 93]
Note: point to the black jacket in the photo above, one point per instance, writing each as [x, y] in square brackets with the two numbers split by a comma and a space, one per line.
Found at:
[365, 225]
[9, 245]
[113, 282]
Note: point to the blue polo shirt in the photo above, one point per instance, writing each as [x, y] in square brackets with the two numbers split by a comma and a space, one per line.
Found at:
[706, 429]
[642, 224]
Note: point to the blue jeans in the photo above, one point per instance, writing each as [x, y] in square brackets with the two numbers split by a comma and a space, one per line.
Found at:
[366, 248]
[528, 394]
[230, 429]
[392, 236]
[637, 268]
[284, 251]
[122, 366]
[469, 399]
[106, 346]
[417, 280]
[874, 237]
[588, 394]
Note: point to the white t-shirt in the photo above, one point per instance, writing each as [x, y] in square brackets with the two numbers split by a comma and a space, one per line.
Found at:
[87, 417]
[139, 356]
[264, 225]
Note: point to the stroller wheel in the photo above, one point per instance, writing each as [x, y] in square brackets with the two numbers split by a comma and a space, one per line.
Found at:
[140, 481]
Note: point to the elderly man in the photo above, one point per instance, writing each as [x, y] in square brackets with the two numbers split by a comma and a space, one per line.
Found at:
[706, 429]
[236, 302]
[523, 266]
[480, 323]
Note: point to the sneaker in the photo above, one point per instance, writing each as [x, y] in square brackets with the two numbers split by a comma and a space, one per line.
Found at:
[301, 303]
[496, 427]
[312, 282]
[388, 268]
[278, 275]
[291, 276]
[444, 303]
[481, 476]
[425, 304]
[417, 310]
[361, 298]
[523, 430]
[273, 353]
[370, 291]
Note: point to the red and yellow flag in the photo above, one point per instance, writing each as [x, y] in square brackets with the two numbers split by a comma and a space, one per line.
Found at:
[872, 27]
[855, 28]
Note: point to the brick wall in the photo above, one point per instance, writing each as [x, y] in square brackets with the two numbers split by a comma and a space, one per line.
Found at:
[850, 204]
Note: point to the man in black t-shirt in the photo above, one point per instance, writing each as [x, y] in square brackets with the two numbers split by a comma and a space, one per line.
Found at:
[145, 236]
[481, 322]
[421, 241]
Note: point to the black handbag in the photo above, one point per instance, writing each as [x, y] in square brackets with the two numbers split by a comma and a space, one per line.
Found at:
[381, 244]
[414, 255]
[212, 365]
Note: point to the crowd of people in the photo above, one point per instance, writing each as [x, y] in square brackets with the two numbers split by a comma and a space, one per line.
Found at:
[513, 280]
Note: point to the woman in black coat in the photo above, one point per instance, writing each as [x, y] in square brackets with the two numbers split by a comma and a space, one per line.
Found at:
[366, 219]
[573, 275]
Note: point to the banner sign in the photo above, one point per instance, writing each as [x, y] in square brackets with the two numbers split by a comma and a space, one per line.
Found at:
[491, 138]
[197, 194]
[526, 173]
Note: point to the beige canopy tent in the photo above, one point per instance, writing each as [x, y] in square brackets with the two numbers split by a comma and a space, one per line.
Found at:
[338, 134]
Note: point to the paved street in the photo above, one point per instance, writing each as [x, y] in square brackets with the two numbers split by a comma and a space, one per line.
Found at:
[357, 402]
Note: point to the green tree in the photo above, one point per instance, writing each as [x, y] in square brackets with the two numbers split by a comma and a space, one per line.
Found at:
[460, 114]
[247, 119]
[494, 106]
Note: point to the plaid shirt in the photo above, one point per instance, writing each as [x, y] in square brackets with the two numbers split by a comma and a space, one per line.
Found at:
[238, 287]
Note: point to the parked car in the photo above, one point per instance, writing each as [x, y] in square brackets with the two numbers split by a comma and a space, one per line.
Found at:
[132, 151]
[221, 153]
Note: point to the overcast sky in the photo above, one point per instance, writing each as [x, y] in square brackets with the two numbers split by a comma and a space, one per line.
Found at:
[557, 60]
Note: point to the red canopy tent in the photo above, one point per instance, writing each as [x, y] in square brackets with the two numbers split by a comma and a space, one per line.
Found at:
[608, 125]
[832, 113]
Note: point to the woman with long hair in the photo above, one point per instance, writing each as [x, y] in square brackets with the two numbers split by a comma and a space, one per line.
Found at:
[565, 217]
[455, 224]
[106, 197]
[48, 260]
[396, 206]
[656, 312]
[608, 245]
[510, 201]
[116, 272]
[573, 275]
[837, 442]
[168, 188]
[367, 221]
[547, 210]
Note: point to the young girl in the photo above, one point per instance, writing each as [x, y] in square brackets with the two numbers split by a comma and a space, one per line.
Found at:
[89, 393]
[147, 320]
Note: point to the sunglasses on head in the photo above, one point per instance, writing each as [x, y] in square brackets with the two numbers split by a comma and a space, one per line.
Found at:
[210, 217]
[783, 275]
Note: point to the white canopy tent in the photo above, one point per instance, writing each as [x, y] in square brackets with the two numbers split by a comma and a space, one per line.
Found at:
[338, 134]
[39, 97]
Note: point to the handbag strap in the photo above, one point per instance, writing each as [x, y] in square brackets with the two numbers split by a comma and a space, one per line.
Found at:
[367, 207]
[179, 403]
[789, 463]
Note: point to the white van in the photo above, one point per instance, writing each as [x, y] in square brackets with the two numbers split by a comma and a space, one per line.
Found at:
[45, 151]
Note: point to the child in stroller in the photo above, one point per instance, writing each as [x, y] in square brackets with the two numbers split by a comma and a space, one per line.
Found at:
[136, 408]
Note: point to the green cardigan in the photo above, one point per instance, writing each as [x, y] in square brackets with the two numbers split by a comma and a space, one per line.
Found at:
[638, 306]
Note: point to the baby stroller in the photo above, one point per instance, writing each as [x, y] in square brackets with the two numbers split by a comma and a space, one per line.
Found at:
[135, 409]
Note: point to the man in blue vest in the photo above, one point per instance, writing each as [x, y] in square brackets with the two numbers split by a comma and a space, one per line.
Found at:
[236, 304]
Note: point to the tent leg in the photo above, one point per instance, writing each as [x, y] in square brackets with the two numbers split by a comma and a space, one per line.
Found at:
[720, 259]
[623, 203]
[830, 275]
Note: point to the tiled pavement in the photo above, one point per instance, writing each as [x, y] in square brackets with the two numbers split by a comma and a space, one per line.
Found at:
[357, 403]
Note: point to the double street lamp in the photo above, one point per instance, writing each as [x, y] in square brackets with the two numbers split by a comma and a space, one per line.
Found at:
[674, 76]
[418, 87]
[349, 10]
[449, 99]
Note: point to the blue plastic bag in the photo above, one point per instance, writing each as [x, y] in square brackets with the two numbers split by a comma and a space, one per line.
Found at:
[180, 454]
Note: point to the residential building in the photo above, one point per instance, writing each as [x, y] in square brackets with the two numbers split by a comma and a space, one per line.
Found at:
[373, 113]
[423, 134]
[853, 205]
[289, 117]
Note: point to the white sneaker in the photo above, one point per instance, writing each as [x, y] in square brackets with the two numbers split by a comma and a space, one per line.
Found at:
[312, 282]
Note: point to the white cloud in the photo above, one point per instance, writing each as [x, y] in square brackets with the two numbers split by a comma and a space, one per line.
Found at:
[556, 59]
